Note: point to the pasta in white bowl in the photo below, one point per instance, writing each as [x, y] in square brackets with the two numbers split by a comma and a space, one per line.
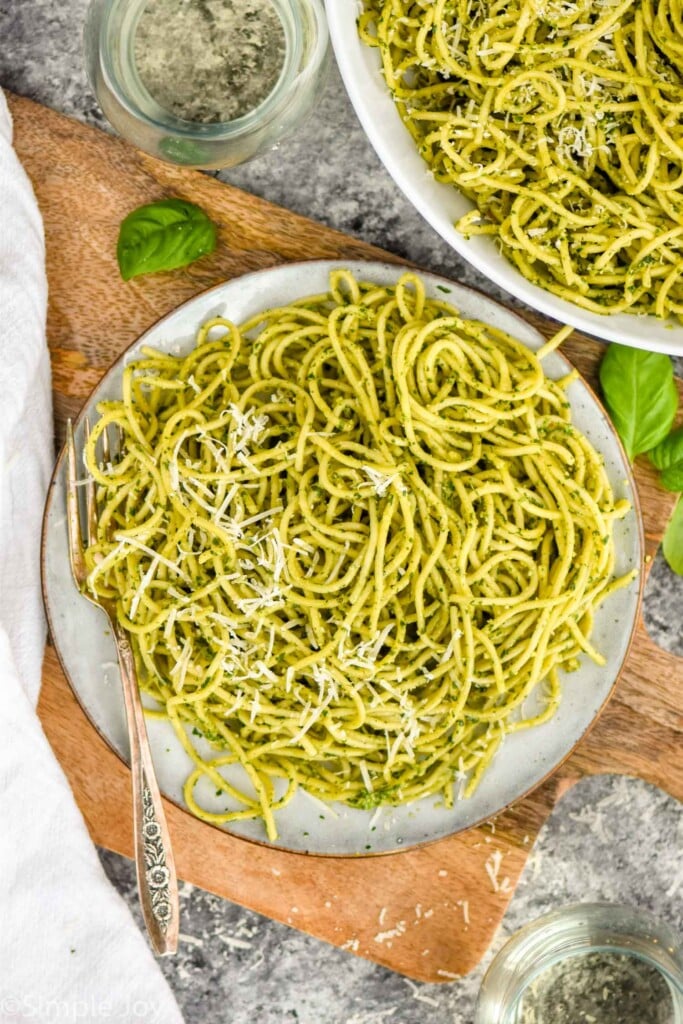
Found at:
[532, 168]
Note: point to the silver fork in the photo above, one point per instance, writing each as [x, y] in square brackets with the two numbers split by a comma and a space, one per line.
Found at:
[157, 881]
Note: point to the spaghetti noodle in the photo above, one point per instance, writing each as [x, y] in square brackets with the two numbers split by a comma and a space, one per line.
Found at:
[350, 539]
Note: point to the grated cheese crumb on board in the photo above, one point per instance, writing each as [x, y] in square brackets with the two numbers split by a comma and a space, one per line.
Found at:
[492, 867]
[391, 933]
[465, 907]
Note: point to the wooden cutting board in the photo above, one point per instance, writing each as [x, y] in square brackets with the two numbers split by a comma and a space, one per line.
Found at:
[429, 913]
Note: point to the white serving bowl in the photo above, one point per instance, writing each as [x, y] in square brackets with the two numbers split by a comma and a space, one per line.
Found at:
[442, 205]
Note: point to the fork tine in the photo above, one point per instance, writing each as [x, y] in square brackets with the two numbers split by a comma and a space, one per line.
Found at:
[73, 514]
[90, 503]
[112, 450]
[106, 452]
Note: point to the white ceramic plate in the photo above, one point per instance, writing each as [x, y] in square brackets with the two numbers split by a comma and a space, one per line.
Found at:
[89, 660]
[442, 205]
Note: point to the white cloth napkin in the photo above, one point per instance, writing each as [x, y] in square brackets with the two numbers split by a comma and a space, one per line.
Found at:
[69, 948]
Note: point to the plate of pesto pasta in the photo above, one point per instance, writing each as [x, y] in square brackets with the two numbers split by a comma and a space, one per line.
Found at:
[542, 139]
[377, 548]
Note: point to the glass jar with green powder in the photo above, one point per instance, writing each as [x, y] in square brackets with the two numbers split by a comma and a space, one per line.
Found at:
[206, 83]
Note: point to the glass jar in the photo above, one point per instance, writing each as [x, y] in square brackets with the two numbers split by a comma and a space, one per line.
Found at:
[110, 39]
[566, 946]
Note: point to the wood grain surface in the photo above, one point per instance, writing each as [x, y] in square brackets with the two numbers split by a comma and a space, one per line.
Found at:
[407, 910]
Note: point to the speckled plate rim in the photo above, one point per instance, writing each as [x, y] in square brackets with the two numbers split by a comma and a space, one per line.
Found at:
[442, 205]
[369, 270]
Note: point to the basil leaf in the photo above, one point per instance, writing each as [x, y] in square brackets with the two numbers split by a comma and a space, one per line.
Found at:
[163, 236]
[640, 396]
[668, 457]
[672, 545]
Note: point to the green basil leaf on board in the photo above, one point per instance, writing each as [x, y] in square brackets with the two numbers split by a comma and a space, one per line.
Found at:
[672, 545]
[640, 395]
[163, 236]
[667, 456]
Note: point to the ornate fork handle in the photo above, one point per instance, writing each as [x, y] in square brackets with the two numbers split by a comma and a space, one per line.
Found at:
[157, 880]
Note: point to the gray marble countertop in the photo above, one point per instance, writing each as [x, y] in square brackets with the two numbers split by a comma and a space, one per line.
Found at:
[609, 838]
